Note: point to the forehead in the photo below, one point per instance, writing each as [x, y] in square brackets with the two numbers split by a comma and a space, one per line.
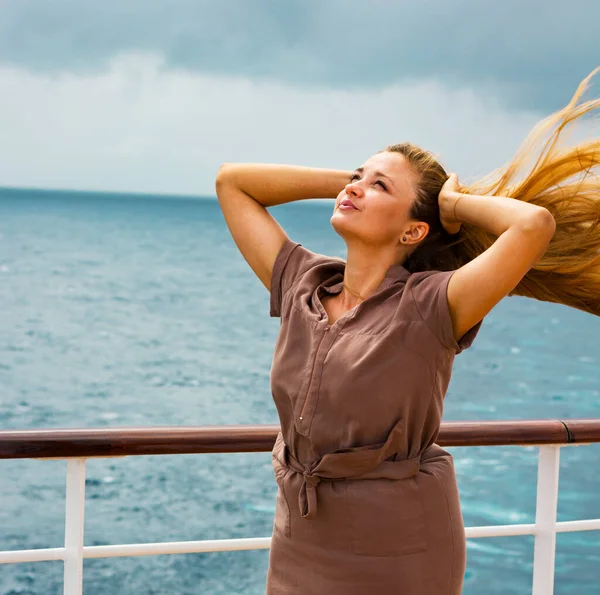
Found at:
[389, 163]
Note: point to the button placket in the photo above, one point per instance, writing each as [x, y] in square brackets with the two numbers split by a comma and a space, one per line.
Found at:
[304, 420]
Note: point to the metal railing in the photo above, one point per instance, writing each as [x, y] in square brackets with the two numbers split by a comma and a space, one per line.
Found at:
[80, 444]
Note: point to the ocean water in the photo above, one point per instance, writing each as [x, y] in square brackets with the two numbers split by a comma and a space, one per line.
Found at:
[134, 310]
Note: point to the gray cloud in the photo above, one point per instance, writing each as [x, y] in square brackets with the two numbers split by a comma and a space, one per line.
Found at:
[532, 53]
[139, 127]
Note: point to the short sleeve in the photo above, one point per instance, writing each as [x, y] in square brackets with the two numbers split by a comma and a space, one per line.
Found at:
[430, 294]
[292, 261]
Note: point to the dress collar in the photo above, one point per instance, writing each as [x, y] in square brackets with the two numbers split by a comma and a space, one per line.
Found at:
[396, 273]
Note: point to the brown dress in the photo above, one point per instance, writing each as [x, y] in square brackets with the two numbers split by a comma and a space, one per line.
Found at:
[366, 499]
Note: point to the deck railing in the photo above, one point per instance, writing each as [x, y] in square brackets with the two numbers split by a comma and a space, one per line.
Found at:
[77, 445]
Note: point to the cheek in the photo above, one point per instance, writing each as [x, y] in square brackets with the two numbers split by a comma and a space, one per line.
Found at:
[390, 215]
[338, 199]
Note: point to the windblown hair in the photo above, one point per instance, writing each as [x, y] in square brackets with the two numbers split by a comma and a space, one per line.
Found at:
[561, 180]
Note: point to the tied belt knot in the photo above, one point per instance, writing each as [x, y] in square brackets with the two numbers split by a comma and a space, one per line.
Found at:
[362, 462]
[307, 498]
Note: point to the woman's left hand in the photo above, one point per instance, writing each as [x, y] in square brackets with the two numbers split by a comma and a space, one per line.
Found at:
[449, 194]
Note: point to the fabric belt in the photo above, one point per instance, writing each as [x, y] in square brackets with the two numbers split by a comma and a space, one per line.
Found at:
[361, 462]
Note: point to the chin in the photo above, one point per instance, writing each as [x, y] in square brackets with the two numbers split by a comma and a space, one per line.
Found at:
[362, 232]
[343, 227]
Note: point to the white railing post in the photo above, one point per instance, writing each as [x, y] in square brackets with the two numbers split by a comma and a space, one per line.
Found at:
[74, 515]
[545, 520]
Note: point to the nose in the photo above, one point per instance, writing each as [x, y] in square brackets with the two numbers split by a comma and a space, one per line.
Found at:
[353, 188]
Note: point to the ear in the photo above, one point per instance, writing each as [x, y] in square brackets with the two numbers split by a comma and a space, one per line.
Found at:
[416, 232]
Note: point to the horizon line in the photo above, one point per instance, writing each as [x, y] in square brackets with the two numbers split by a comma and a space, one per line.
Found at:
[121, 192]
[145, 194]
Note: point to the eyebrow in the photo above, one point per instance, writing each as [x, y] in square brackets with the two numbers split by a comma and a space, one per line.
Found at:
[361, 170]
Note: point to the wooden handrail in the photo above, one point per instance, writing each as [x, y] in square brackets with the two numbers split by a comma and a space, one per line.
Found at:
[110, 442]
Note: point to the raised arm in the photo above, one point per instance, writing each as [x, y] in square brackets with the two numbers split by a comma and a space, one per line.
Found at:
[245, 190]
[524, 232]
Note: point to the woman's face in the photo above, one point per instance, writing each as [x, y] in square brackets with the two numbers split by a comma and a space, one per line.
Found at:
[374, 207]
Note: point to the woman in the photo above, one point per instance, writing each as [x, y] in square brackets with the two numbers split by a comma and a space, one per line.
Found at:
[366, 498]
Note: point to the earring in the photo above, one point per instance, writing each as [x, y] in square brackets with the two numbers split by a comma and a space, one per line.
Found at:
[404, 239]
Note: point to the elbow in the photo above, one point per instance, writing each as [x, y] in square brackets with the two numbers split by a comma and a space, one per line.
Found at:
[541, 223]
[224, 175]
[225, 168]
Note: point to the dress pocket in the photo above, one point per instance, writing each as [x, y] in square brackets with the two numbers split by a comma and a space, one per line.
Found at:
[282, 520]
[386, 516]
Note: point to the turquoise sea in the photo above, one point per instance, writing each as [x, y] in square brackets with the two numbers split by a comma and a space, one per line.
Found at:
[120, 310]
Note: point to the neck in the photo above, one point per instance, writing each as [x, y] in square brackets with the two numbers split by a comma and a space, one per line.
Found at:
[365, 270]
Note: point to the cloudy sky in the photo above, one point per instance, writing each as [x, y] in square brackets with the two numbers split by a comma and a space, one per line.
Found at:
[152, 96]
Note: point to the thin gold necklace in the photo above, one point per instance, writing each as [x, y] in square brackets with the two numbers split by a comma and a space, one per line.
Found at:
[354, 293]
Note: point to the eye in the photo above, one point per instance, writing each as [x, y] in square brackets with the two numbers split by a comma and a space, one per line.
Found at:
[357, 177]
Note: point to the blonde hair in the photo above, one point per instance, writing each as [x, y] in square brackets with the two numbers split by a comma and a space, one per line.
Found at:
[561, 180]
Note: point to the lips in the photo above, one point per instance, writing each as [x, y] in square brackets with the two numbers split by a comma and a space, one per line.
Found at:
[348, 204]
